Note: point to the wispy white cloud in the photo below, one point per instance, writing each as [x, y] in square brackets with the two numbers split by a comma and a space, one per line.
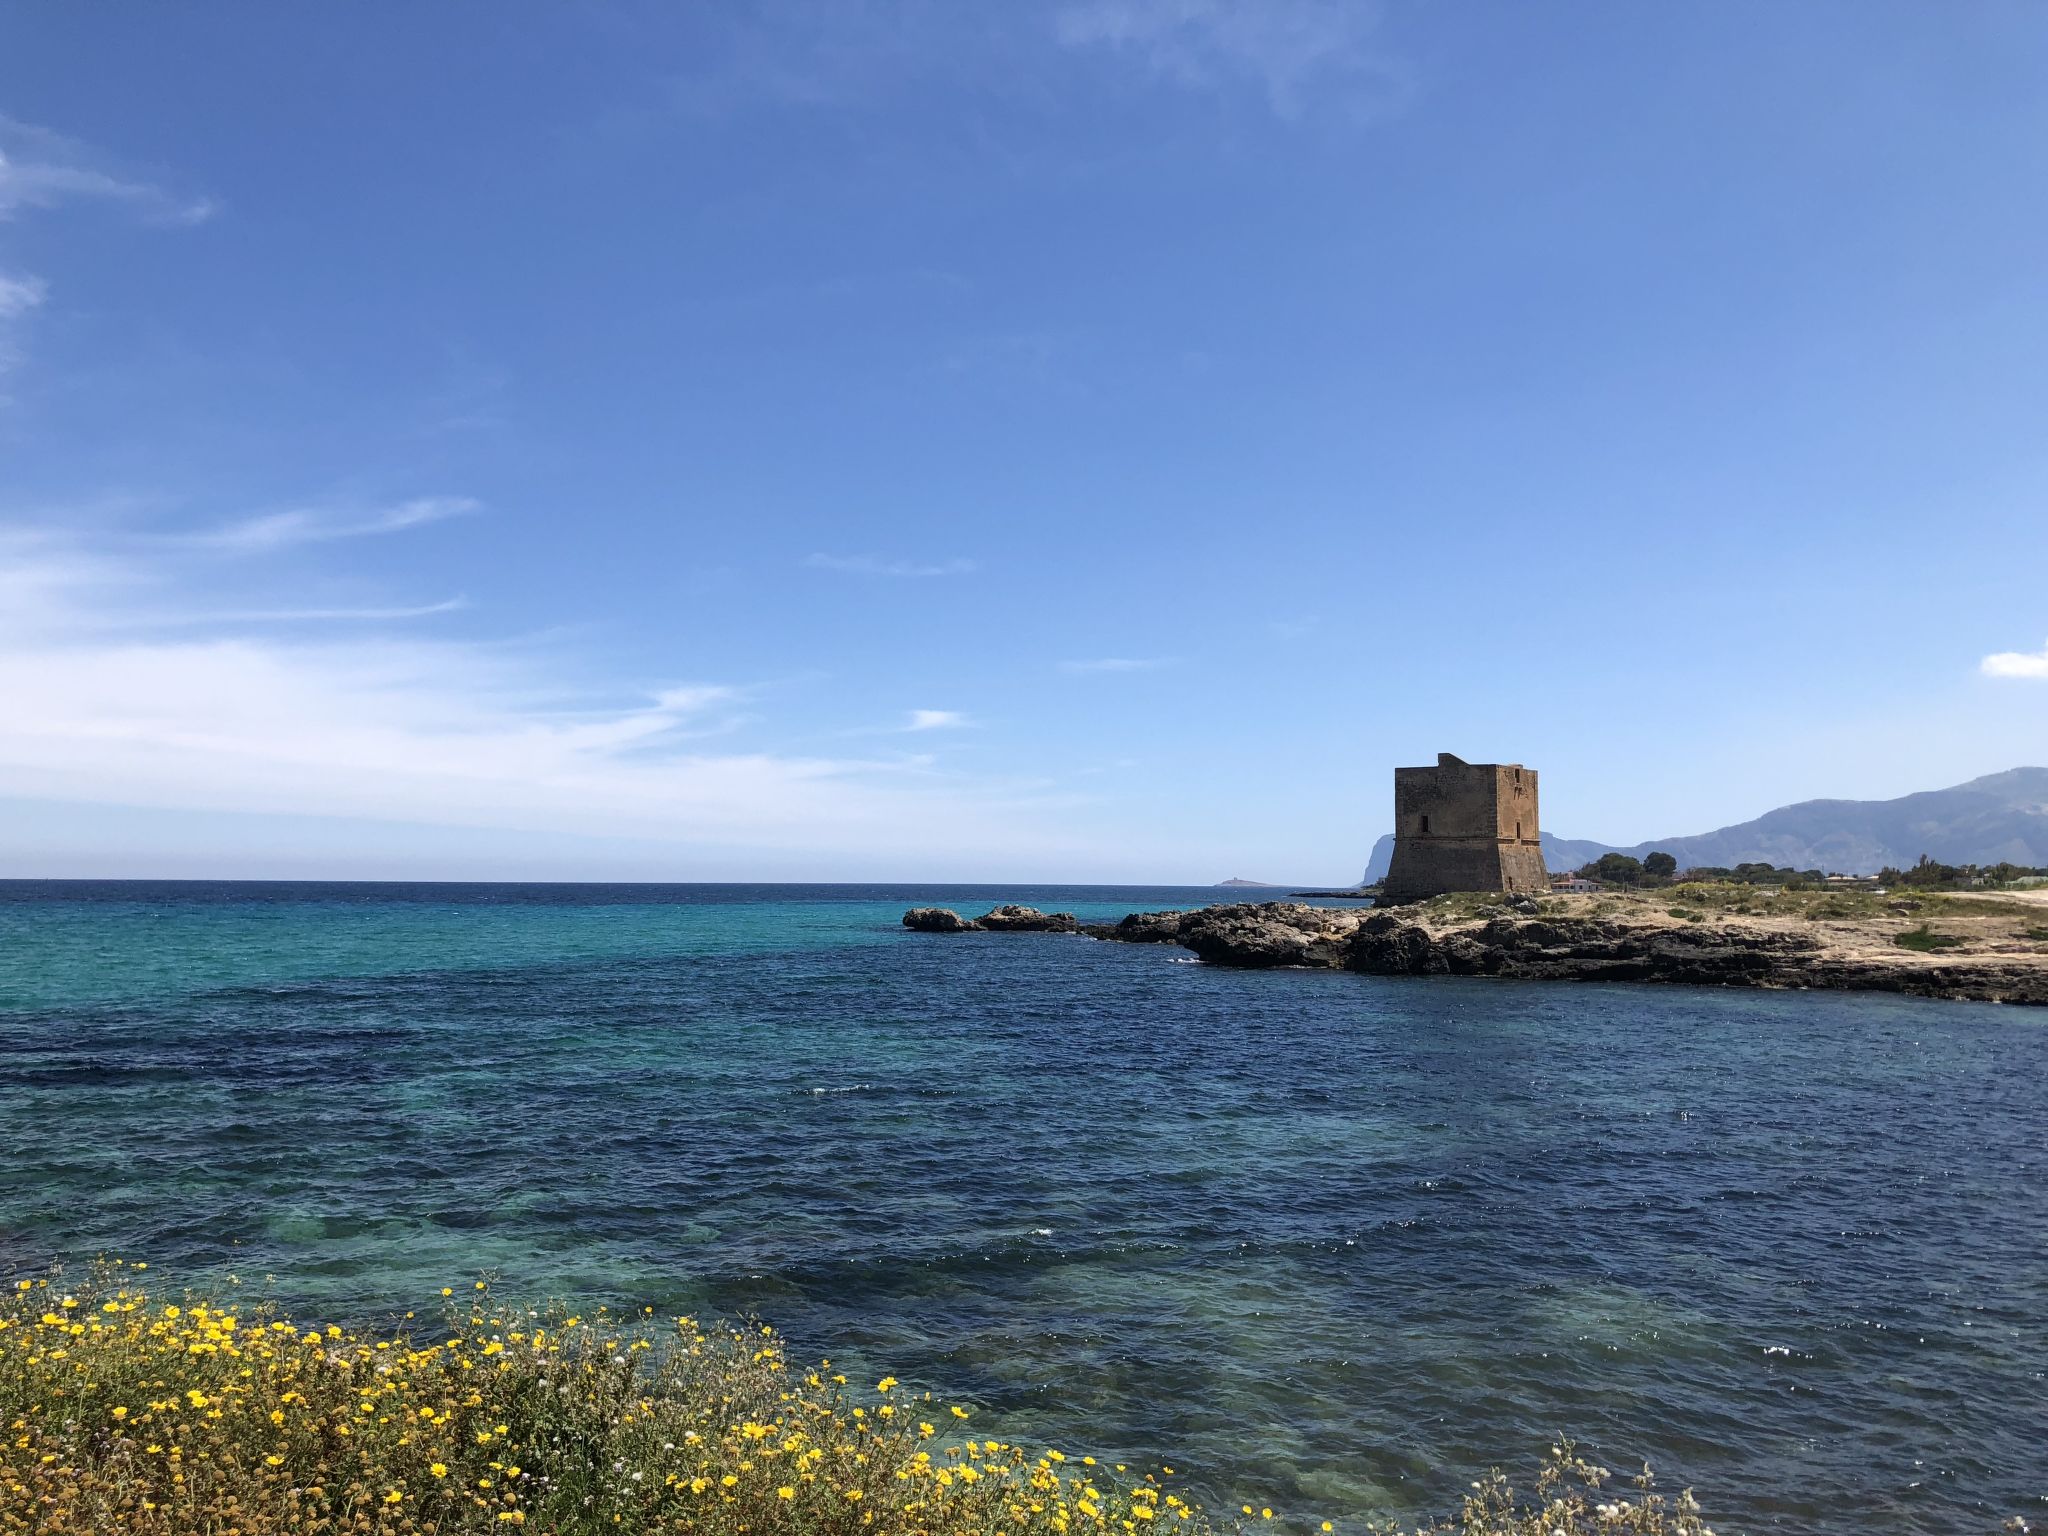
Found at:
[282, 530]
[18, 295]
[104, 709]
[1118, 664]
[316, 615]
[1288, 48]
[2017, 664]
[871, 565]
[41, 169]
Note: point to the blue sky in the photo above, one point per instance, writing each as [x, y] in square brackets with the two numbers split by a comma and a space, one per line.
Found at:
[1090, 440]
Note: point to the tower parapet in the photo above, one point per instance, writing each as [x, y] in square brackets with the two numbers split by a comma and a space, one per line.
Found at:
[1465, 827]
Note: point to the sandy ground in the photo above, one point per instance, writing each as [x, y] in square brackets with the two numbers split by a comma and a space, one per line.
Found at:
[2038, 897]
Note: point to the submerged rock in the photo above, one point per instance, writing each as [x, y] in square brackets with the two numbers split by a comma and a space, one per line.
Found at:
[938, 920]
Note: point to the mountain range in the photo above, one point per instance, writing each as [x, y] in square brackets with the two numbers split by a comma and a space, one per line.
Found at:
[2000, 817]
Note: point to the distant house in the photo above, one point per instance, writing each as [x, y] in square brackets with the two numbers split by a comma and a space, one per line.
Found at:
[1572, 885]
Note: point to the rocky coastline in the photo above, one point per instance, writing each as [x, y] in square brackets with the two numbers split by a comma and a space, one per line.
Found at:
[1987, 952]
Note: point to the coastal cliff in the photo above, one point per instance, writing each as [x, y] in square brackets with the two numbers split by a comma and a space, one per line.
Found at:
[1987, 949]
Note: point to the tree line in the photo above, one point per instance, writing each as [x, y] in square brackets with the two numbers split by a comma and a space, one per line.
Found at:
[1929, 874]
[1654, 869]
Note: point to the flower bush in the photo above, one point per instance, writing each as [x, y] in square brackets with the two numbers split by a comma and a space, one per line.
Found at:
[124, 1414]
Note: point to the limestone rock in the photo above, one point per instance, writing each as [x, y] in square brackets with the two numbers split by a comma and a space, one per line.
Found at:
[938, 920]
[1408, 941]
[1506, 940]
[1015, 919]
[1141, 928]
[1273, 933]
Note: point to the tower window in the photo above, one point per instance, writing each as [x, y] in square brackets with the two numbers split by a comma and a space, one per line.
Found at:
[1425, 824]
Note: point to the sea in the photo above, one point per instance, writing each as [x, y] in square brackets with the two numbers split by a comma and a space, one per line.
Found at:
[1329, 1243]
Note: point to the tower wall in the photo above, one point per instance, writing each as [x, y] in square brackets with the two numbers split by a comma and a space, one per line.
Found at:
[1465, 827]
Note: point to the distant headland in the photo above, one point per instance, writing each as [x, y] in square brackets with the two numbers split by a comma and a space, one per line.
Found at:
[1466, 893]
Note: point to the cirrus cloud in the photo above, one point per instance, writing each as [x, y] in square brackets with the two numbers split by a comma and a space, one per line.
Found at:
[1288, 48]
[872, 565]
[129, 686]
[1117, 664]
[40, 168]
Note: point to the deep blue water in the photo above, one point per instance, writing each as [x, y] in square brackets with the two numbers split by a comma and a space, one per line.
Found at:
[1329, 1242]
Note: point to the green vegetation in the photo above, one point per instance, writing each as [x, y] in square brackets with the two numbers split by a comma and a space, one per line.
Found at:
[1459, 905]
[1922, 940]
[1759, 874]
[1686, 915]
[1621, 869]
[1928, 875]
[2037, 935]
[212, 1417]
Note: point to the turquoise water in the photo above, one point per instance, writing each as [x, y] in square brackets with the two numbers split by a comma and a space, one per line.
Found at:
[1328, 1242]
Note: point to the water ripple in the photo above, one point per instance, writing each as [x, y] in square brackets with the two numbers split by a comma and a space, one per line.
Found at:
[1324, 1242]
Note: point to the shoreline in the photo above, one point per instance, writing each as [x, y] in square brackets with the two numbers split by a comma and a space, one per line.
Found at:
[1976, 948]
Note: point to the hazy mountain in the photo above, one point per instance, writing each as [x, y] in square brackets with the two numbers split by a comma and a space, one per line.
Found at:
[2002, 816]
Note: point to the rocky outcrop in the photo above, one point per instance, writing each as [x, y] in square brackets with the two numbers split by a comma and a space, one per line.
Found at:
[938, 920]
[1014, 919]
[1519, 939]
[1141, 928]
[1273, 933]
[1579, 949]
[1594, 949]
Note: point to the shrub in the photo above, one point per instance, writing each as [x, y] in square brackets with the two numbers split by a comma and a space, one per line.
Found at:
[1925, 942]
[212, 1416]
[1570, 1501]
[216, 1417]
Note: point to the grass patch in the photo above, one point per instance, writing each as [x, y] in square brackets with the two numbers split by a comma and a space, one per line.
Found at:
[2038, 935]
[213, 1416]
[1686, 915]
[1461, 905]
[1924, 942]
[1970, 906]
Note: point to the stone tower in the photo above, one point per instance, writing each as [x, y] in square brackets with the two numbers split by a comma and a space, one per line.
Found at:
[1465, 827]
